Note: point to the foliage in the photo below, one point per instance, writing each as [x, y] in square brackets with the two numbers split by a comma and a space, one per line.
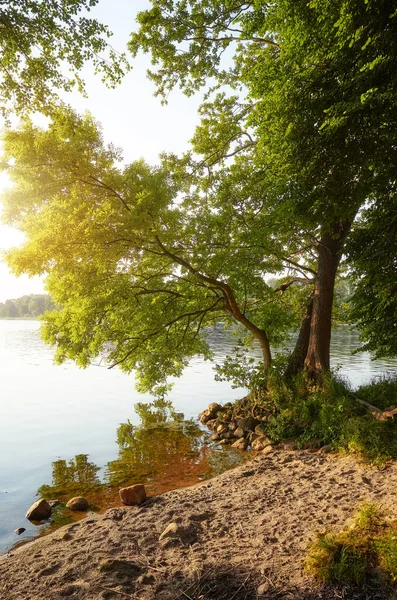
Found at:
[366, 549]
[328, 415]
[139, 272]
[374, 268]
[382, 392]
[296, 138]
[28, 306]
[44, 46]
[303, 100]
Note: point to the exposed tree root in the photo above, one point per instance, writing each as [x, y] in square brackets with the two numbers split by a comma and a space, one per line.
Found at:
[377, 413]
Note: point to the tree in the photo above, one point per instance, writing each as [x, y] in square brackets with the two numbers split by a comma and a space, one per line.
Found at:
[316, 120]
[139, 263]
[374, 268]
[44, 46]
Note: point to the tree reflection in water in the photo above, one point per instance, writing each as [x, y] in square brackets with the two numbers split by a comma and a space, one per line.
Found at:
[164, 452]
[73, 477]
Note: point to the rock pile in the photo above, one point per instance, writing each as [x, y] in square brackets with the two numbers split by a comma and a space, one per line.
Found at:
[236, 430]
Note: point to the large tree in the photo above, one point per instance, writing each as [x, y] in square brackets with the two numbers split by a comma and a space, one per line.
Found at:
[313, 111]
[44, 46]
[139, 261]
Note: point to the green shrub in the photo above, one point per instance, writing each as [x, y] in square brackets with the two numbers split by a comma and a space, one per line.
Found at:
[335, 559]
[367, 549]
[386, 548]
[331, 416]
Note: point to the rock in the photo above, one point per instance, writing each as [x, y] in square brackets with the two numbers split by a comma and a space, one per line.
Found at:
[252, 437]
[215, 437]
[260, 443]
[326, 449]
[312, 444]
[222, 428]
[78, 503]
[132, 495]
[260, 429]
[212, 423]
[262, 589]
[205, 416]
[214, 408]
[173, 530]
[39, 510]
[248, 423]
[20, 530]
[232, 425]
[268, 450]
[240, 444]
[53, 503]
[239, 432]
[229, 435]
[225, 442]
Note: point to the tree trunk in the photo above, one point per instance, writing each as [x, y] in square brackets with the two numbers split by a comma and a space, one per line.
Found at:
[317, 359]
[266, 353]
[296, 361]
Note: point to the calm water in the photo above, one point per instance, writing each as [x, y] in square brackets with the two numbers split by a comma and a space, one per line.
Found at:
[61, 425]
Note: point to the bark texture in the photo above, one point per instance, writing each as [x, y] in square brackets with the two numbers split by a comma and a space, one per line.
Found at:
[296, 361]
[329, 249]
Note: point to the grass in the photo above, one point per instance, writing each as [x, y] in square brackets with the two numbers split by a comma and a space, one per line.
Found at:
[363, 551]
[330, 416]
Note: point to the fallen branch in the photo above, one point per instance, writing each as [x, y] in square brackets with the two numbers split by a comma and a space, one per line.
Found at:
[377, 413]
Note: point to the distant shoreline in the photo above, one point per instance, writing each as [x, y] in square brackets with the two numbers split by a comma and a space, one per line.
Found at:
[19, 318]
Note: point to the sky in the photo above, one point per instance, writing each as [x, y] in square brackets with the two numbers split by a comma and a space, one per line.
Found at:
[131, 117]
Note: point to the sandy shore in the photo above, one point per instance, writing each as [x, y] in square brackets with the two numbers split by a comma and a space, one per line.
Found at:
[241, 535]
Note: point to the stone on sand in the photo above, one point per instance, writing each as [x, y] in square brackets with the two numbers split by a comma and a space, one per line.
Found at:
[78, 503]
[39, 510]
[132, 495]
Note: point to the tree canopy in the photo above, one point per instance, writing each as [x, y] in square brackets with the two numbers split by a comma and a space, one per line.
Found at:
[44, 46]
[139, 265]
[307, 94]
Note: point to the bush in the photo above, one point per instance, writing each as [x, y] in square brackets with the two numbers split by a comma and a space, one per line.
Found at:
[331, 416]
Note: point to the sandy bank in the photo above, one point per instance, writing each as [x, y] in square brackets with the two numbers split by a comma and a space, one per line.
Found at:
[242, 535]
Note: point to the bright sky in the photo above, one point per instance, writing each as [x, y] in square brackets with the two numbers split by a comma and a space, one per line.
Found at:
[132, 118]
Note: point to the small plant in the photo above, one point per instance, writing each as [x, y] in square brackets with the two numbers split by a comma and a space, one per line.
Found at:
[365, 550]
[387, 551]
[336, 559]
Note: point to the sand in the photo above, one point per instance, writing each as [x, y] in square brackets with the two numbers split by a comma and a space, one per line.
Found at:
[241, 535]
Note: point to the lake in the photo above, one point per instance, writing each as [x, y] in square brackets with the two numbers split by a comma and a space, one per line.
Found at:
[60, 425]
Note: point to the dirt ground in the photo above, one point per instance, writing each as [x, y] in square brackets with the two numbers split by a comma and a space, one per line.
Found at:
[241, 535]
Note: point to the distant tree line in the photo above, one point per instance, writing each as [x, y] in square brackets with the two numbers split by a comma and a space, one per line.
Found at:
[31, 305]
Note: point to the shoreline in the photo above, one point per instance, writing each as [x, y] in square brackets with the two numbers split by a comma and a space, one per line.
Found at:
[245, 532]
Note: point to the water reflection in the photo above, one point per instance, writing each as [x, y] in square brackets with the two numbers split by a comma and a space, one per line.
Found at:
[71, 478]
[161, 451]
[164, 452]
